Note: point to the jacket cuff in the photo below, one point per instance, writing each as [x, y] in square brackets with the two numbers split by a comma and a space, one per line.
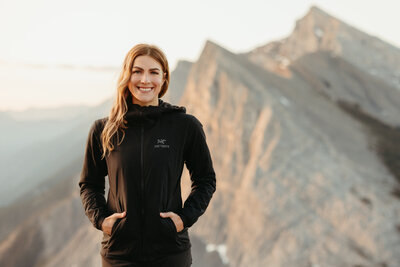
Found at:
[185, 220]
[100, 222]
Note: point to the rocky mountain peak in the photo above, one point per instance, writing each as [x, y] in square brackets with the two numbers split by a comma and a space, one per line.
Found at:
[319, 31]
[214, 51]
[316, 11]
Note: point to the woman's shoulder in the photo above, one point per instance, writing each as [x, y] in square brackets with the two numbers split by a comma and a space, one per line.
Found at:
[189, 123]
[187, 118]
[98, 124]
[101, 121]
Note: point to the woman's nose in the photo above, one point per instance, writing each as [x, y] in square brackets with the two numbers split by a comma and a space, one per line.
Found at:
[145, 78]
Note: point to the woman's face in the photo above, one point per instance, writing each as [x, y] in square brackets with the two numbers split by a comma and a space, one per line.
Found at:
[146, 81]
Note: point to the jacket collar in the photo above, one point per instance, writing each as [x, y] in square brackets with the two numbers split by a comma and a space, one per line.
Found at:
[137, 113]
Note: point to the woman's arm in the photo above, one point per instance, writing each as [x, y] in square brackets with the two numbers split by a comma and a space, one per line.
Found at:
[92, 180]
[199, 163]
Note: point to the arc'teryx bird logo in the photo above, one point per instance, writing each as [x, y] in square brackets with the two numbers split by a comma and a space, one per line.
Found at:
[161, 143]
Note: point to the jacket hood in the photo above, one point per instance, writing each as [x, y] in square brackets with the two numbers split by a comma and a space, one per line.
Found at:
[137, 113]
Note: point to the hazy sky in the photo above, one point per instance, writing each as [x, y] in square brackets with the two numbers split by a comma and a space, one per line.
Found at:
[101, 32]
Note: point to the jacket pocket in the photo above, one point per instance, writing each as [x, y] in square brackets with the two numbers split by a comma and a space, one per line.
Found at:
[168, 227]
[116, 233]
[173, 240]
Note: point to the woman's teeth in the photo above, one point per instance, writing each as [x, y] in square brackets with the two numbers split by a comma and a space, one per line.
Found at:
[145, 89]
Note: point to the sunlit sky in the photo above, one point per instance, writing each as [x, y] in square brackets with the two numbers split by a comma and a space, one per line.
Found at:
[99, 33]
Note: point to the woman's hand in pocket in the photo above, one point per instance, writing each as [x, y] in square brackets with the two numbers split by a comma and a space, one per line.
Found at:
[175, 218]
[109, 221]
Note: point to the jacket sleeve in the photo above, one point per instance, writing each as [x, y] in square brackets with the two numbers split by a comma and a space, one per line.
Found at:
[92, 179]
[199, 163]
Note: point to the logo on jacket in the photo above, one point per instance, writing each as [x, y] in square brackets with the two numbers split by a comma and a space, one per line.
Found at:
[161, 143]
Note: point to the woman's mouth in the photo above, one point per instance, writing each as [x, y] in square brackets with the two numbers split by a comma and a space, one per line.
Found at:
[145, 89]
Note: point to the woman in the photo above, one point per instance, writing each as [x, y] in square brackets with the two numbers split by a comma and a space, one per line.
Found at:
[142, 146]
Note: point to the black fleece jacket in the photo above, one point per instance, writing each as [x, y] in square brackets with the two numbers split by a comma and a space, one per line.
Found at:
[144, 174]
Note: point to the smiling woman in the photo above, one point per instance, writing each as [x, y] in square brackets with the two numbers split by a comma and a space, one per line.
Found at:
[143, 220]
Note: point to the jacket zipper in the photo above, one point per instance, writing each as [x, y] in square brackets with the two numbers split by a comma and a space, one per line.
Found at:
[142, 184]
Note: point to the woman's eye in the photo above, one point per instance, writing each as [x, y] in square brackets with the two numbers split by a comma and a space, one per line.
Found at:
[136, 71]
[154, 72]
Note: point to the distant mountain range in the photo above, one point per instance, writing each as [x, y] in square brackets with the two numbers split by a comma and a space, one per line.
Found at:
[304, 134]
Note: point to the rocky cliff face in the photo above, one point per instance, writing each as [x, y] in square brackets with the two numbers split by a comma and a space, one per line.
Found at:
[297, 182]
[294, 129]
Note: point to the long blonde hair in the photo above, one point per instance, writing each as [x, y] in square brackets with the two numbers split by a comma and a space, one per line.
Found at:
[116, 120]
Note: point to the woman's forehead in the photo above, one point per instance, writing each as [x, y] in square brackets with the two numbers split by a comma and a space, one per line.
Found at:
[146, 62]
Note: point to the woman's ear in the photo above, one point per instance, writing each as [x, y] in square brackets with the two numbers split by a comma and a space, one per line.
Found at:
[164, 77]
